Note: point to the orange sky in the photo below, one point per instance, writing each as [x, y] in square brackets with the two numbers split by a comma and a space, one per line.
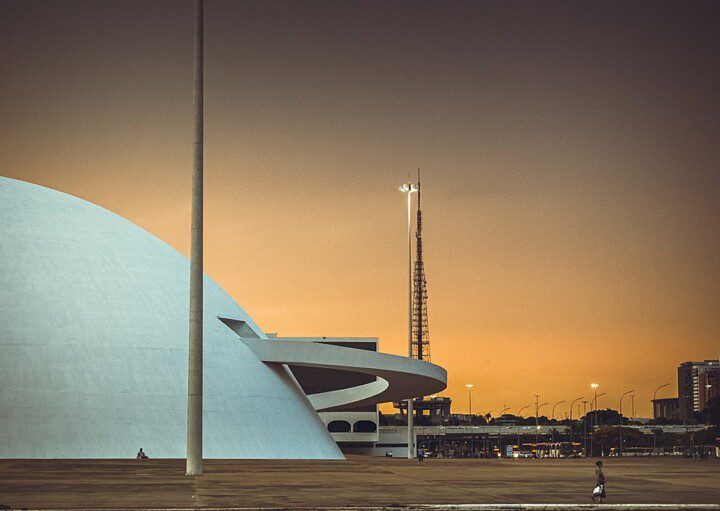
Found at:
[569, 153]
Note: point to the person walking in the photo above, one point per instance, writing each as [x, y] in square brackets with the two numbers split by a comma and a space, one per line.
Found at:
[599, 491]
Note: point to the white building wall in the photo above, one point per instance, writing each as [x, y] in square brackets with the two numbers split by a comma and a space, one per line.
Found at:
[94, 340]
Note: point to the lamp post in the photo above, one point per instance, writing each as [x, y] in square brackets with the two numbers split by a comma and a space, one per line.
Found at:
[621, 419]
[585, 419]
[537, 423]
[653, 403]
[469, 387]
[632, 401]
[518, 428]
[553, 417]
[598, 419]
[593, 406]
[505, 409]
[572, 449]
[572, 403]
[594, 386]
[410, 188]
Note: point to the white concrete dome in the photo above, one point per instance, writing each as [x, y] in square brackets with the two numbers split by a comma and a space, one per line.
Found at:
[93, 340]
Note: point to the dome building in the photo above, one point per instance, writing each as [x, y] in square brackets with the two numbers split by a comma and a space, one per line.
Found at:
[94, 351]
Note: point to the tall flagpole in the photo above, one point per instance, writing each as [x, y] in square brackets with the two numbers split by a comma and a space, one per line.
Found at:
[195, 351]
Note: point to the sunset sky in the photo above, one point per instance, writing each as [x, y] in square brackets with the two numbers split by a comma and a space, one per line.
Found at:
[570, 155]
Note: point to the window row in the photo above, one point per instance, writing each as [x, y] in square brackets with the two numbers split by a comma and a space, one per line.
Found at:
[358, 427]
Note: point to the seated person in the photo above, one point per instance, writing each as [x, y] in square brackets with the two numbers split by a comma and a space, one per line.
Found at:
[141, 455]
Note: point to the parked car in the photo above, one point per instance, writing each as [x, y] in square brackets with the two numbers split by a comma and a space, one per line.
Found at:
[523, 454]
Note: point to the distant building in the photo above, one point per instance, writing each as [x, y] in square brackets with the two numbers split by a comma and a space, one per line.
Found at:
[709, 386]
[430, 411]
[666, 408]
[689, 374]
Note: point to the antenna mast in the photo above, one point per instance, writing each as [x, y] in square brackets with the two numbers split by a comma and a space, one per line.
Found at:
[420, 333]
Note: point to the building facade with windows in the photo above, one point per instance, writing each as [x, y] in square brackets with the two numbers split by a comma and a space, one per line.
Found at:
[666, 408]
[690, 388]
[709, 387]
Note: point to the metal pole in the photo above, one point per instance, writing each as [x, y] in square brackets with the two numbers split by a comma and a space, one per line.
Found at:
[572, 449]
[655, 395]
[519, 417]
[537, 425]
[411, 425]
[653, 403]
[621, 419]
[553, 417]
[655, 441]
[592, 432]
[195, 347]
[585, 427]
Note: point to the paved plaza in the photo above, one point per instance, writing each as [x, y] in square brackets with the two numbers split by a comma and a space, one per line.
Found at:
[357, 482]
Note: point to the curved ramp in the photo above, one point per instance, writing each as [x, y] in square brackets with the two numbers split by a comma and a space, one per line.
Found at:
[398, 378]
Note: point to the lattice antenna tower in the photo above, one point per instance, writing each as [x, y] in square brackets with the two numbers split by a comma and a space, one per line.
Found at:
[421, 335]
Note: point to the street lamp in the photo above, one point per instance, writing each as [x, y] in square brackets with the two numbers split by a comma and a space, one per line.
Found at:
[594, 386]
[653, 403]
[621, 419]
[505, 409]
[518, 425]
[469, 387]
[593, 406]
[572, 403]
[572, 449]
[655, 395]
[553, 417]
[410, 188]
[537, 423]
[585, 420]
